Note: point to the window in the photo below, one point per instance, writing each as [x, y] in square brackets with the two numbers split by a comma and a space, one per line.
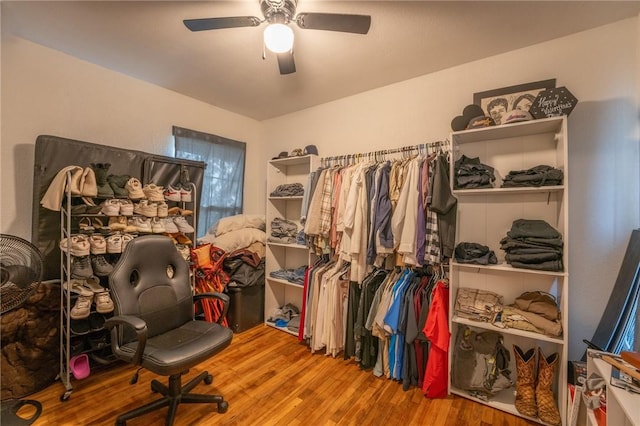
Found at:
[221, 192]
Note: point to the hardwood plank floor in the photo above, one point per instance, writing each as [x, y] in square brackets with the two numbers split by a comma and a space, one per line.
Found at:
[268, 378]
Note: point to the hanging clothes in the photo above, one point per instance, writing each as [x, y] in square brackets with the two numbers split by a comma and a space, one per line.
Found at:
[436, 329]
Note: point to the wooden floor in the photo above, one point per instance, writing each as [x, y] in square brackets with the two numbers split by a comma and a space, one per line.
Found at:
[269, 379]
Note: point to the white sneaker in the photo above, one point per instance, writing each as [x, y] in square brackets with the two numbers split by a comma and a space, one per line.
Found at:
[185, 195]
[146, 208]
[126, 207]
[153, 192]
[77, 245]
[125, 240]
[134, 187]
[143, 225]
[172, 194]
[111, 207]
[163, 209]
[118, 223]
[169, 226]
[157, 226]
[114, 244]
[182, 224]
[98, 244]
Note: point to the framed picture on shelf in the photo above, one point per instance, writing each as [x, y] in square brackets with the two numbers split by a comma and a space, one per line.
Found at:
[497, 102]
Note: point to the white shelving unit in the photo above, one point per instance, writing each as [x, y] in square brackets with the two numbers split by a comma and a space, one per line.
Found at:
[623, 407]
[279, 292]
[485, 215]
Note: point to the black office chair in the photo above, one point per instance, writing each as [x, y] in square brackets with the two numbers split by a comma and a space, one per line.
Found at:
[153, 326]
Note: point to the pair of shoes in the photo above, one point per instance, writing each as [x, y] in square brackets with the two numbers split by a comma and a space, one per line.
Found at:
[180, 238]
[117, 207]
[178, 193]
[142, 225]
[134, 188]
[114, 244]
[158, 226]
[76, 245]
[118, 183]
[101, 267]
[153, 192]
[151, 208]
[81, 267]
[182, 224]
[101, 297]
[98, 244]
[170, 226]
[177, 211]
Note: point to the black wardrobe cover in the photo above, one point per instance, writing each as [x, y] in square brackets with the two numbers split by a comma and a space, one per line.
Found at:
[53, 153]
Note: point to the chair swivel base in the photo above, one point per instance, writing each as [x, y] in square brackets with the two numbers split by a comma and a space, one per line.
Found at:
[173, 395]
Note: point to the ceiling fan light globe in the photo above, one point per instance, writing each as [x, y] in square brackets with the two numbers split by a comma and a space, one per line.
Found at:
[278, 38]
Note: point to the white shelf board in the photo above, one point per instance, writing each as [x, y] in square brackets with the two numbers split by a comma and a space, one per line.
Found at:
[290, 197]
[295, 246]
[290, 161]
[285, 329]
[503, 401]
[511, 331]
[629, 402]
[520, 190]
[524, 128]
[285, 282]
[508, 268]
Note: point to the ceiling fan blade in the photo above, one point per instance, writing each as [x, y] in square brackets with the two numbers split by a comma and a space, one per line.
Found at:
[358, 24]
[286, 63]
[221, 23]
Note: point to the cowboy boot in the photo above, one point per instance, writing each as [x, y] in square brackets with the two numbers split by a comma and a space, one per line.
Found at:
[101, 171]
[547, 407]
[525, 382]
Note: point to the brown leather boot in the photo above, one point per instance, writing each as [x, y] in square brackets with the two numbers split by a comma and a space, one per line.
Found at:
[525, 382]
[547, 407]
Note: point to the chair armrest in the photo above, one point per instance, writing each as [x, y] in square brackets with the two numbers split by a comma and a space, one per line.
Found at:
[139, 326]
[215, 295]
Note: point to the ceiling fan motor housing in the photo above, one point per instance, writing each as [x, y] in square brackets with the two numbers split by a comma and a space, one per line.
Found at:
[278, 11]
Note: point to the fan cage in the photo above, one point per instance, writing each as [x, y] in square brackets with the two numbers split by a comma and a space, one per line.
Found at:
[15, 251]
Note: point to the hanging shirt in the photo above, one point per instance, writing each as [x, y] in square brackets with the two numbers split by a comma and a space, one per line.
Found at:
[437, 331]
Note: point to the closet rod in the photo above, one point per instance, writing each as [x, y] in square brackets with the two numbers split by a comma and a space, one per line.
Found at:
[381, 153]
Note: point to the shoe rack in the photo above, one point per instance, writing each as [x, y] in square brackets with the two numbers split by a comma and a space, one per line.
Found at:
[85, 340]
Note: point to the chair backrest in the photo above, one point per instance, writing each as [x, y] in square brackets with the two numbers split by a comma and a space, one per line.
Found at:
[151, 281]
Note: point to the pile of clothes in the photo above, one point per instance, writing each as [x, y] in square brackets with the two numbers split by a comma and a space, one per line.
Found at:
[533, 244]
[541, 175]
[471, 173]
[535, 311]
[295, 276]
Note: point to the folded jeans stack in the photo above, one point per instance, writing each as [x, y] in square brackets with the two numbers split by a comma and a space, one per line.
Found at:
[288, 190]
[283, 231]
[533, 244]
[295, 276]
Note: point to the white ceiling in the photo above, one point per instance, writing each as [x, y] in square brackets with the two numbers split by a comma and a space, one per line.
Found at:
[147, 40]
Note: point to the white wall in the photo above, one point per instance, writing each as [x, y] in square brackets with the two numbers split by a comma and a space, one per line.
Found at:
[48, 92]
[600, 67]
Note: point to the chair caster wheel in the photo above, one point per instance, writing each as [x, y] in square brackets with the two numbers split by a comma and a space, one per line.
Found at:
[223, 407]
[208, 379]
[121, 422]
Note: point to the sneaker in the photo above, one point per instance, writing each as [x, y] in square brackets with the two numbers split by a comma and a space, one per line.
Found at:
[170, 226]
[172, 194]
[118, 223]
[104, 304]
[145, 208]
[126, 207]
[76, 286]
[125, 240]
[82, 308]
[184, 251]
[131, 226]
[185, 195]
[134, 187]
[81, 267]
[163, 209]
[98, 244]
[114, 244]
[153, 192]
[182, 224]
[143, 225]
[77, 245]
[101, 267]
[111, 207]
[157, 226]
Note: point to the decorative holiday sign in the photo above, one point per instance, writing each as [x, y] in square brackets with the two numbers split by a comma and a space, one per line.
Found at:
[553, 102]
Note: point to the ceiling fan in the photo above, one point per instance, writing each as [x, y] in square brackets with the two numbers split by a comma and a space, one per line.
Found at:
[278, 36]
